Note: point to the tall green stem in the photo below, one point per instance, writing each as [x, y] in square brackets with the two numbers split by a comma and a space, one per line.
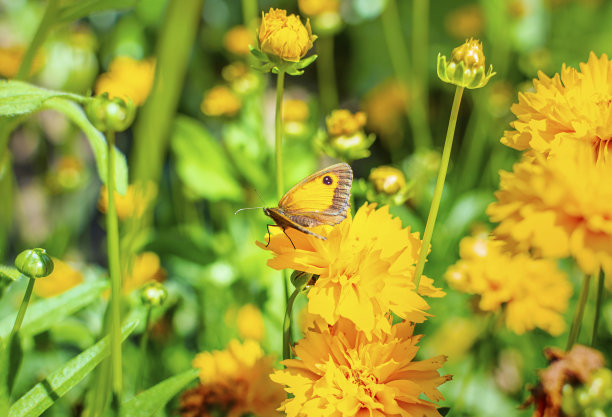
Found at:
[22, 308]
[47, 22]
[420, 55]
[287, 325]
[398, 53]
[144, 341]
[112, 240]
[280, 186]
[575, 329]
[326, 74]
[437, 196]
[278, 134]
[598, 304]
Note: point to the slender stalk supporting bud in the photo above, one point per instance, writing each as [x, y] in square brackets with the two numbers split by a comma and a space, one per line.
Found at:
[437, 197]
[33, 263]
[598, 306]
[112, 230]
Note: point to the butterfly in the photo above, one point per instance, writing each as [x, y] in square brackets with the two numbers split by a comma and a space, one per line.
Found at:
[320, 198]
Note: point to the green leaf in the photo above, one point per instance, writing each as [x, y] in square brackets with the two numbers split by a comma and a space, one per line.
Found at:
[81, 8]
[154, 399]
[11, 354]
[96, 140]
[306, 62]
[45, 393]
[7, 276]
[201, 162]
[43, 314]
[18, 97]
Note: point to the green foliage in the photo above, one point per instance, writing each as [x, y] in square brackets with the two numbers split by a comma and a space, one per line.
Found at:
[43, 314]
[45, 393]
[18, 97]
[212, 178]
[155, 398]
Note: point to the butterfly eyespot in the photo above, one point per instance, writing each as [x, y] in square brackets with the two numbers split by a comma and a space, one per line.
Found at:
[327, 180]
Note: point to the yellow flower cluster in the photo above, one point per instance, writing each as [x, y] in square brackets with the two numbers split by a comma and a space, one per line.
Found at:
[556, 201]
[350, 357]
[532, 292]
[343, 122]
[234, 382]
[128, 79]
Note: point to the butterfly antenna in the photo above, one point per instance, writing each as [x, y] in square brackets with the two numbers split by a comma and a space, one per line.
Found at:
[248, 208]
[259, 195]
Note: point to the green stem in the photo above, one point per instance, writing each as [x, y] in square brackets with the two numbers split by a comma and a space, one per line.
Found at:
[437, 196]
[144, 341]
[287, 325]
[420, 54]
[46, 23]
[278, 134]
[22, 308]
[249, 14]
[575, 329]
[326, 74]
[112, 230]
[398, 54]
[598, 304]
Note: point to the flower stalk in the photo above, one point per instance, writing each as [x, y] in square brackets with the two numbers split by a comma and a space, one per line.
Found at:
[326, 74]
[575, 328]
[598, 305]
[437, 196]
[112, 230]
[22, 308]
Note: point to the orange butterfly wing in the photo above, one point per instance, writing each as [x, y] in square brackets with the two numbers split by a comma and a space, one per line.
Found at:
[321, 198]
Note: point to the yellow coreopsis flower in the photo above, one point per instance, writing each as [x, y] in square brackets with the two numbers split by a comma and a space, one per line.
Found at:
[466, 67]
[284, 36]
[559, 206]
[127, 79]
[318, 7]
[533, 292]
[63, 278]
[220, 101]
[387, 179]
[250, 323]
[385, 106]
[234, 382]
[238, 40]
[346, 138]
[145, 268]
[342, 371]
[365, 268]
[573, 106]
[131, 205]
[11, 57]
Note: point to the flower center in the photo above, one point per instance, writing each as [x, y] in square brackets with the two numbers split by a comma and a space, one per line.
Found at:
[360, 377]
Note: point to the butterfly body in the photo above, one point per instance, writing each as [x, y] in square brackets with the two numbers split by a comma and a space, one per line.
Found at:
[320, 198]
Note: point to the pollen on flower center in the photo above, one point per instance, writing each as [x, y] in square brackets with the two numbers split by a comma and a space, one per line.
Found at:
[360, 377]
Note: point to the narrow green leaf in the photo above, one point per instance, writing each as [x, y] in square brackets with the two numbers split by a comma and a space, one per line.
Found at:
[154, 399]
[7, 276]
[306, 61]
[45, 393]
[78, 9]
[42, 314]
[213, 177]
[18, 97]
[96, 140]
[11, 354]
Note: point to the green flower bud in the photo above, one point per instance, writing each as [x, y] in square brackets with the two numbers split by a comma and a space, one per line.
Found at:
[302, 280]
[34, 263]
[345, 137]
[466, 67]
[110, 114]
[154, 294]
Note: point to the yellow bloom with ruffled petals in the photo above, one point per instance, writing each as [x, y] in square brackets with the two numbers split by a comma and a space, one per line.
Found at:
[533, 292]
[235, 382]
[365, 268]
[284, 36]
[559, 206]
[571, 106]
[342, 371]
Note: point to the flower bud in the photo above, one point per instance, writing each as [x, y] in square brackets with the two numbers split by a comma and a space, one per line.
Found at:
[153, 294]
[346, 140]
[220, 101]
[301, 280]
[387, 180]
[466, 67]
[34, 263]
[284, 36]
[110, 114]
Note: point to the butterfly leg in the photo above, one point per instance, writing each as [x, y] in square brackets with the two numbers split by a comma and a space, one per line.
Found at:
[292, 244]
[270, 235]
